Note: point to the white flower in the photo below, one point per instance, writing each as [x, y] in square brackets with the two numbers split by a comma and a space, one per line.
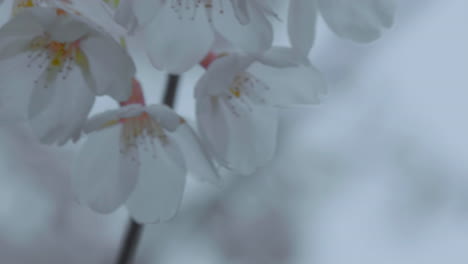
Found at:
[52, 64]
[123, 14]
[238, 100]
[135, 155]
[358, 20]
[20, 5]
[179, 33]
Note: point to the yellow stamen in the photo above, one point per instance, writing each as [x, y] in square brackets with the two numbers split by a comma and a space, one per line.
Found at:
[27, 3]
[235, 91]
[110, 123]
[81, 60]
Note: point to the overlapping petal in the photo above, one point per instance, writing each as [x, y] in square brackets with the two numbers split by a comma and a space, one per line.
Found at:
[139, 150]
[237, 100]
[301, 25]
[64, 112]
[358, 20]
[176, 44]
[110, 67]
[254, 37]
[197, 158]
[160, 185]
[68, 62]
[103, 177]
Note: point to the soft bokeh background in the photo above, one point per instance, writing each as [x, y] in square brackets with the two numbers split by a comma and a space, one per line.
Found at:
[376, 173]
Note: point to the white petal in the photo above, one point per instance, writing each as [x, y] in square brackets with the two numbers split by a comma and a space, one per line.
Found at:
[66, 112]
[251, 136]
[160, 185]
[221, 73]
[165, 116]
[241, 136]
[12, 46]
[16, 35]
[254, 37]
[125, 16]
[102, 120]
[241, 11]
[212, 125]
[358, 20]
[176, 44]
[131, 110]
[43, 92]
[197, 159]
[111, 67]
[68, 29]
[146, 10]
[44, 17]
[102, 177]
[301, 25]
[292, 85]
[16, 86]
[282, 57]
[111, 117]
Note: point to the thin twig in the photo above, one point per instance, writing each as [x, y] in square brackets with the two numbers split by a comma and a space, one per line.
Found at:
[131, 241]
[171, 90]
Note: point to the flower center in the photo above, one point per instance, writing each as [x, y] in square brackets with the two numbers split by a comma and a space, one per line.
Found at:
[140, 130]
[246, 84]
[57, 57]
[244, 92]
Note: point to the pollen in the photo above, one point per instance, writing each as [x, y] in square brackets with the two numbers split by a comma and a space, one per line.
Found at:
[140, 130]
[57, 62]
[20, 4]
[26, 3]
[57, 57]
[235, 91]
[60, 52]
[244, 92]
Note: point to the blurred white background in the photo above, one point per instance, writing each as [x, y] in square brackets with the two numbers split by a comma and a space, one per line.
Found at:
[376, 173]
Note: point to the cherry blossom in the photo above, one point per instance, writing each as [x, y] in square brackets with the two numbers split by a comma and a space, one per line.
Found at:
[137, 156]
[179, 33]
[19, 5]
[238, 100]
[60, 64]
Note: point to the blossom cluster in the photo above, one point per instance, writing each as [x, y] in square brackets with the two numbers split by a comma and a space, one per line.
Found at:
[55, 60]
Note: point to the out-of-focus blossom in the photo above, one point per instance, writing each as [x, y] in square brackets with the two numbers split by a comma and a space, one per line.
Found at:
[19, 5]
[238, 99]
[357, 20]
[61, 63]
[180, 33]
[135, 155]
